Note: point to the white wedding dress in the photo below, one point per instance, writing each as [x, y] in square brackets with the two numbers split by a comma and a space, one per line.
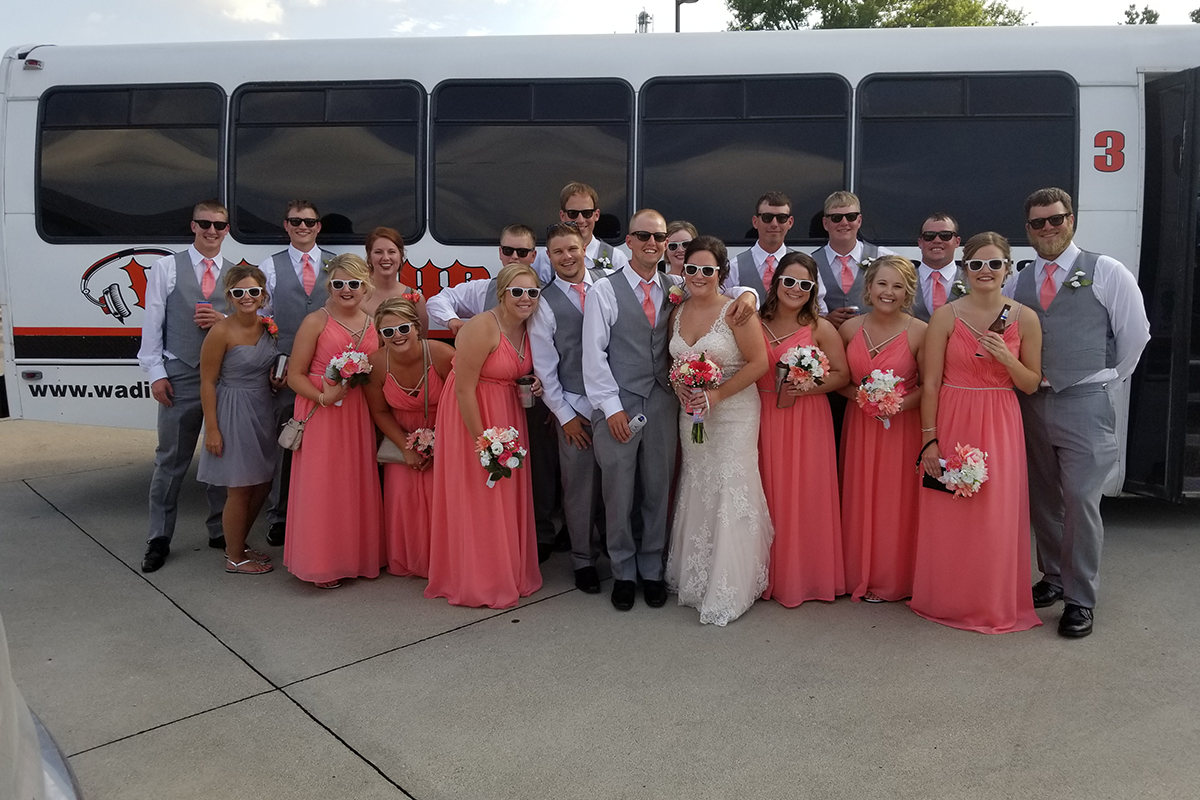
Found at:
[721, 534]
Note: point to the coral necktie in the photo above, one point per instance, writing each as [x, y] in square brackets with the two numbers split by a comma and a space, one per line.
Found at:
[581, 289]
[1048, 287]
[647, 302]
[308, 275]
[769, 272]
[847, 275]
[939, 292]
[209, 281]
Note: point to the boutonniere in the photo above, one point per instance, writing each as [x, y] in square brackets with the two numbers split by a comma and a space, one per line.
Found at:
[602, 262]
[960, 288]
[410, 296]
[675, 294]
[272, 328]
[1078, 279]
[866, 262]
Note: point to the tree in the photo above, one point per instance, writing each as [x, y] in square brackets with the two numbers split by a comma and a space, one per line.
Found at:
[1147, 16]
[793, 14]
[1195, 15]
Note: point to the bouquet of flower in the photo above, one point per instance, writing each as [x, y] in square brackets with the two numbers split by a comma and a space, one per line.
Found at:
[500, 452]
[272, 328]
[804, 367]
[964, 471]
[350, 367]
[421, 440]
[880, 395]
[696, 371]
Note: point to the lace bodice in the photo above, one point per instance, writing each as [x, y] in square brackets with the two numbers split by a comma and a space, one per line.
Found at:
[718, 344]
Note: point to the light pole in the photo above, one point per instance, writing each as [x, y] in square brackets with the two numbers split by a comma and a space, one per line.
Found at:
[678, 3]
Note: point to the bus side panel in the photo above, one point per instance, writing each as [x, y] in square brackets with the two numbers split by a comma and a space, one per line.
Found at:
[1108, 206]
[114, 395]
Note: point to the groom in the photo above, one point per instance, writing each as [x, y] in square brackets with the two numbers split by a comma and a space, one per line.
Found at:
[625, 366]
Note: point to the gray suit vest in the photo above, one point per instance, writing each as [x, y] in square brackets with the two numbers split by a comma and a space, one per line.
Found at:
[748, 276]
[181, 336]
[1077, 336]
[637, 353]
[290, 304]
[920, 310]
[568, 336]
[834, 296]
[490, 300]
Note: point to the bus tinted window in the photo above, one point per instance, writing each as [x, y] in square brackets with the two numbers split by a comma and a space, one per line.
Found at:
[711, 147]
[502, 151]
[351, 149]
[126, 163]
[973, 146]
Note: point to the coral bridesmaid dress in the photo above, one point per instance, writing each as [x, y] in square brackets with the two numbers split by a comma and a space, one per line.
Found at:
[879, 494]
[334, 527]
[798, 461]
[972, 569]
[483, 550]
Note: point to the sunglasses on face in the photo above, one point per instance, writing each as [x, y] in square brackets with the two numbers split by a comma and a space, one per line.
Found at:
[308, 222]
[253, 291]
[205, 224]
[574, 213]
[673, 246]
[849, 216]
[945, 236]
[644, 236]
[692, 269]
[767, 217]
[337, 283]
[520, 291]
[403, 329]
[520, 252]
[788, 282]
[1055, 220]
[994, 264]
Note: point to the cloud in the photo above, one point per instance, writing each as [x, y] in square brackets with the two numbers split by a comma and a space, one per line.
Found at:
[268, 11]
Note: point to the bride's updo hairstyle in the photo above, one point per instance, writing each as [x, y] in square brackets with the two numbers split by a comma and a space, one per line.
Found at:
[710, 244]
[810, 311]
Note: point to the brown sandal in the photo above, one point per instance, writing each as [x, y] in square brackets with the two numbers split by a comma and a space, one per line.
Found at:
[247, 567]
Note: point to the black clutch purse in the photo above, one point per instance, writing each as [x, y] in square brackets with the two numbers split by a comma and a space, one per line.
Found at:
[930, 482]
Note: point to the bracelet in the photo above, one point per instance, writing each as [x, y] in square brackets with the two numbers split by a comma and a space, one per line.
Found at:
[923, 449]
[928, 430]
[321, 399]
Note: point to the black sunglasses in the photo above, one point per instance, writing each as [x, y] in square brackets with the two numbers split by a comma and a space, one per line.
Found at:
[573, 213]
[850, 216]
[309, 222]
[644, 236]
[520, 291]
[788, 282]
[692, 269]
[521, 252]
[673, 246]
[994, 264]
[403, 329]
[238, 293]
[338, 283]
[945, 236]
[1037, 223]
[767, 216]
[211, 223]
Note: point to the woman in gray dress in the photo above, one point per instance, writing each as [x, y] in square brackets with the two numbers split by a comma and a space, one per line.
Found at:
[239, 419]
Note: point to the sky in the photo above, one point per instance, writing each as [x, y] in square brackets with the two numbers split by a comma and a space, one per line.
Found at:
[130, 21]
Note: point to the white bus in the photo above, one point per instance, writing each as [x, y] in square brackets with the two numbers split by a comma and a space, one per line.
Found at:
[106, 149]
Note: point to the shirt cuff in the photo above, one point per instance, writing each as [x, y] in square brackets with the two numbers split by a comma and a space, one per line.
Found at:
[157, 372]
[611, 406]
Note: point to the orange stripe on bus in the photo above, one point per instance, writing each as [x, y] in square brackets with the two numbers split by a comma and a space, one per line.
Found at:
[77, 331]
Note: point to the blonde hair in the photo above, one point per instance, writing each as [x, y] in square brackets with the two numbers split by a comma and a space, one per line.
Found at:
[397, 307]
[908, 274]
[842, 200]
[352, 265]
[510, 273]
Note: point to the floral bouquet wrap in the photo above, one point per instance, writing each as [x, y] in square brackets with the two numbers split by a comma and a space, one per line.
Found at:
[804, 367]
[965, 470]
[696, 371]
[351, 368]
[421, 440]
[500, 452]
[880, 394]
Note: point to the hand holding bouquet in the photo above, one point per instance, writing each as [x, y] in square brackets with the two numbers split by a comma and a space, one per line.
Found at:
[500, 452]
[351, 368]
[421, 440]
[804, 368]
[880, 395]
[964, 471]
[694, 371]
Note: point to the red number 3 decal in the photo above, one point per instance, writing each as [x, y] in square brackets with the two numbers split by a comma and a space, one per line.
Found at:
[1113, 143]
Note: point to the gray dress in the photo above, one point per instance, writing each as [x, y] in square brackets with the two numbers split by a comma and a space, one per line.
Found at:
[246, 417]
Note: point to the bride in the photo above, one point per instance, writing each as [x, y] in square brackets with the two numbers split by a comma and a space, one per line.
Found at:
[721, 534]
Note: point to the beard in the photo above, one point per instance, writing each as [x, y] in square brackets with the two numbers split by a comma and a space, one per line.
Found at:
[1051, 247]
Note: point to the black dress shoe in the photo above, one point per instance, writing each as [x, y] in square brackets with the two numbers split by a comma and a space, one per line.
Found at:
[587, 580]
[1045, 594]
[545, 550]
[622, 595]
[655, 593]
[562, 542]
[1076, 622]
[218, 543]
[275, 534]
[156, 554]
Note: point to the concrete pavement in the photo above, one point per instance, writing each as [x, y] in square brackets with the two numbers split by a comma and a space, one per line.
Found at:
[189, 683]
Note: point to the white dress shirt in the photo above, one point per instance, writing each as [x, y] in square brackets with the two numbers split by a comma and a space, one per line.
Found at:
[925, 279]
[835, 266]
[159, 284]
[268, 270]
[462, 301]
[759, 256]
[545, 272]
[542, 327]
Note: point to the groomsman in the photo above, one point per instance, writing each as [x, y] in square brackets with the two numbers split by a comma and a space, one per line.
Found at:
[772, 220]
[841, 262]
[1094, 328]
[449, 308]
[296, 288]
[579, 205]
[556, 339]
[937, 274]
[181, 291]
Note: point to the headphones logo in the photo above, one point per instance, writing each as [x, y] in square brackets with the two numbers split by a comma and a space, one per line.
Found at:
[111, 300]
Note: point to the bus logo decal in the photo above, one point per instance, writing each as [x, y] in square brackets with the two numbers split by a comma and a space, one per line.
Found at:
[112, 300]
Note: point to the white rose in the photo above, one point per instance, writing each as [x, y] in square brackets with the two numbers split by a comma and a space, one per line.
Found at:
[512, 463]
[497, 448]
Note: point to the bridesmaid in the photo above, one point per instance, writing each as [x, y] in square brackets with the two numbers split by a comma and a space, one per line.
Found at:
[972, 568]
[239, 426]
[334, 526]
[484, 548]
[879, 496]
[797, 453]
[407, 375]
[679, 233]
[385, 255]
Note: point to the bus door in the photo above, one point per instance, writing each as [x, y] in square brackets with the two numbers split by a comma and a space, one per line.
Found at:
[1163, 448]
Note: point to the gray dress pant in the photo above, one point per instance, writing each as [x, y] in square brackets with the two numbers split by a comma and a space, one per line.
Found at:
[636, 478]
[178, 431]
[583, 499]
[1071, 441]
